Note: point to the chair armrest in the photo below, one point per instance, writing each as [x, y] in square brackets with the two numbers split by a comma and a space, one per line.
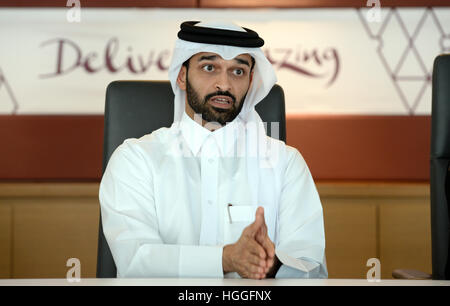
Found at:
[410, 274]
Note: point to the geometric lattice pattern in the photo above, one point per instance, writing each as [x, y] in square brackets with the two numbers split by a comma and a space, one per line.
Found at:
[409, 60]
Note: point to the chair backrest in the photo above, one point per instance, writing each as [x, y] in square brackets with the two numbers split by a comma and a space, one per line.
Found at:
[439, 168]
[136, 108]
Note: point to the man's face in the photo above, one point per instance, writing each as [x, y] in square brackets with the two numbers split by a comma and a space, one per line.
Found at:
[216, 88]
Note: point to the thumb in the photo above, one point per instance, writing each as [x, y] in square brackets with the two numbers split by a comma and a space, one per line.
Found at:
[259, 221]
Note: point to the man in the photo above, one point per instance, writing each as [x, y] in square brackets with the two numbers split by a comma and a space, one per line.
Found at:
[213, 196]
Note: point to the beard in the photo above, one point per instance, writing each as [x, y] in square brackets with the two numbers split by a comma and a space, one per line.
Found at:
[210, 113]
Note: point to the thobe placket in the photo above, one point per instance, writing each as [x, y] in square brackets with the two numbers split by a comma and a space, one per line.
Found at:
[209, 185]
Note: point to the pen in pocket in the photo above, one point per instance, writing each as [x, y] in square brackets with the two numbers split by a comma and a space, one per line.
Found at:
[229, 214]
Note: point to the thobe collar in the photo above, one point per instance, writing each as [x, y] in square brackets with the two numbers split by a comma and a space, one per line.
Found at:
[196, 135]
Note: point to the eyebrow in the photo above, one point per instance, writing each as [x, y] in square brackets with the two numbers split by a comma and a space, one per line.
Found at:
[242, 61]
[207, 58]
[213, 57]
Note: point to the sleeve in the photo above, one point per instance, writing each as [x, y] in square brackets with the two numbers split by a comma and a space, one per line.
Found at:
[301, 243]
[130, 224]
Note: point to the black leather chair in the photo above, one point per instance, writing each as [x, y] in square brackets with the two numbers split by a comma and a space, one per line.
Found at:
[439, 175]
[136, 108]
[439, 169]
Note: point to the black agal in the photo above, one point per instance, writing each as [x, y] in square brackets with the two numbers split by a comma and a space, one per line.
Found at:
[205, 35]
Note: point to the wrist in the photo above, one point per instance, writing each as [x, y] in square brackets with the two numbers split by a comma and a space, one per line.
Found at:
[226, 261]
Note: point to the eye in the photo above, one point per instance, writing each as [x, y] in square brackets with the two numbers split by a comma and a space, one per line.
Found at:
[208, 68]
[238, 71]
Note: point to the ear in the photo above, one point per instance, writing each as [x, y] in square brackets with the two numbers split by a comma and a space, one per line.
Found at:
[181, 79]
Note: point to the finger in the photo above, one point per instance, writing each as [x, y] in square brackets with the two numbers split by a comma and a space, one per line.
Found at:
[271, 261]
[269, 247]
[254, 269]
[260, 214]
[258, 276]
[256, 260]
[266, 243]
[261, 236]
[270, 252]
[253, 228]
[264, 228]
[257, 249]
[262, 232]
[269, 264]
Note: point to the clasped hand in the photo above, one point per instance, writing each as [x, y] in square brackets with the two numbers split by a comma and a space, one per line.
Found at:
[253, 255]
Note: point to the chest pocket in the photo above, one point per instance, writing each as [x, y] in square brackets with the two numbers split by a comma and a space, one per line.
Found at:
[238, 217]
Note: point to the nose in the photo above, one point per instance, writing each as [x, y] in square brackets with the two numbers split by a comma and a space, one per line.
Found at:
[222, 82]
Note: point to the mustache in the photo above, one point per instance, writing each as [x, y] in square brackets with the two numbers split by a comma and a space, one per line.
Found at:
[220, 93]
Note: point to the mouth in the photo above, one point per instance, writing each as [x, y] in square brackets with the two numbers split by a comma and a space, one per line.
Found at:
[223, 102]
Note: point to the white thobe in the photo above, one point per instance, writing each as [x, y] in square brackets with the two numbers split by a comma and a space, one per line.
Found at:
[165, 204]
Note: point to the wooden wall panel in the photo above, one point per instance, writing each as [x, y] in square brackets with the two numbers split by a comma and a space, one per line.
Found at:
[351, 237]
[405, 235]
[388, 221]
[5, 239]
[55, 221]
[49, 231]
